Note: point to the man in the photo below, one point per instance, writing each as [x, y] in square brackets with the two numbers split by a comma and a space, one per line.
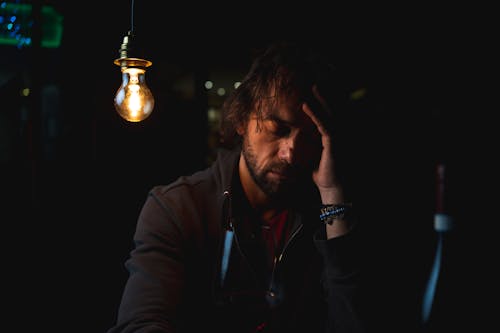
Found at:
[265, 239]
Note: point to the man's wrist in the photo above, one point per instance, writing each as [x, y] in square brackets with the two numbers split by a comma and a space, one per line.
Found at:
[332, 195]
[331, 212]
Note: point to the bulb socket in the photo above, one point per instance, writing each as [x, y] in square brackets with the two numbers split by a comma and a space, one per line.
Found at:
[124, 60]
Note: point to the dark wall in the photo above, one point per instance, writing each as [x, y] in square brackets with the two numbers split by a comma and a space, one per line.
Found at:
[75, 174]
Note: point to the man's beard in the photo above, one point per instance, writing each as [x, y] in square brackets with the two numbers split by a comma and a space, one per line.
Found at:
[273, 187]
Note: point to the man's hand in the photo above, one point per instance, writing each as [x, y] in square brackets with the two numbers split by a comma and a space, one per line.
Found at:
[325, 176]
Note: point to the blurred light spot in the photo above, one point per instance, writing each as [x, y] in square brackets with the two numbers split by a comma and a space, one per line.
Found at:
[213, 115]
[221, 91]
[209, 85]
[358, 94]
[25, 92]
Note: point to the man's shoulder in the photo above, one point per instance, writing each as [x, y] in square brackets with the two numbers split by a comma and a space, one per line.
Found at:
[197, 185]
[183, 183]
[215, 174]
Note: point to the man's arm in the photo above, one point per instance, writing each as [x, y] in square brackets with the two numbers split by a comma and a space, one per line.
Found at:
[154, 287]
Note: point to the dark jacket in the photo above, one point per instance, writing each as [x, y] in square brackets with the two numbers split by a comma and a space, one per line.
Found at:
[187, 274]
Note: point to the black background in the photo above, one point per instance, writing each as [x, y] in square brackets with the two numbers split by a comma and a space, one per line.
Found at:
[71, 199]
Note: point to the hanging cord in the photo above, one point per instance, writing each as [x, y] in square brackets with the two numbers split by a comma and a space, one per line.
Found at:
[442, 224]
[132, 17]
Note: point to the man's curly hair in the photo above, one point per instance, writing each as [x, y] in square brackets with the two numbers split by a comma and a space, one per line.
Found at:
[278, 71]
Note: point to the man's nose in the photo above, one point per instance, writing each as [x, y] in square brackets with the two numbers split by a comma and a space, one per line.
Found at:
[287, 151]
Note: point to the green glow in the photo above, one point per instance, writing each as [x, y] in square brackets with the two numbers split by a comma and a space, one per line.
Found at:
[52, 25]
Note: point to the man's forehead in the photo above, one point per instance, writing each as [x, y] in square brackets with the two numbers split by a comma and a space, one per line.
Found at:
[288, 113]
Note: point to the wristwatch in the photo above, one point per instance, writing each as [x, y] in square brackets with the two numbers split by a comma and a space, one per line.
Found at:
[329, 213]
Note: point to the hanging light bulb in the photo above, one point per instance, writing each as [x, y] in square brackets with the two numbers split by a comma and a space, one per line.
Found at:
[133, 100]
